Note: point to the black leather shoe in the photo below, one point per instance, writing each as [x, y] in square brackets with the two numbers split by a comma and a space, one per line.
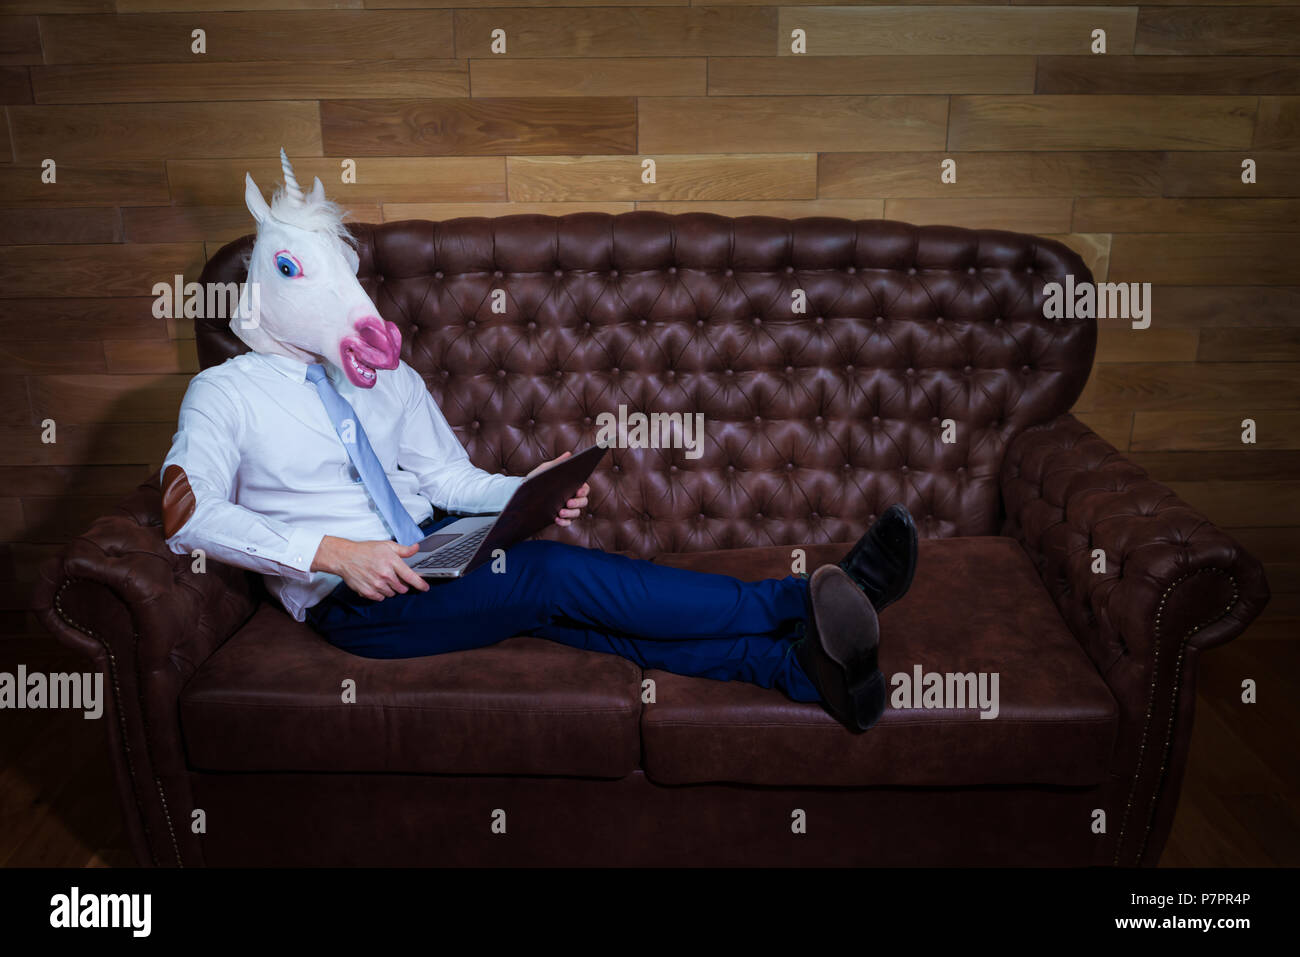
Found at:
[839, 651]
[883, 561]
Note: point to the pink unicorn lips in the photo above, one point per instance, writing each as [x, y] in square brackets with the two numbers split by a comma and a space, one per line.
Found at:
[377, 345]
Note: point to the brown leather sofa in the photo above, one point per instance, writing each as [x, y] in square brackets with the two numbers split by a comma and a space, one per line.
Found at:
[815, 423]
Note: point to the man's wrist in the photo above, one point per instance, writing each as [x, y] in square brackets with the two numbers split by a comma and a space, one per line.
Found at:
[326, 554]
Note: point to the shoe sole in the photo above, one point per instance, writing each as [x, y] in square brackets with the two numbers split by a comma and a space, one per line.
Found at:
[848, 637]
[869, 699]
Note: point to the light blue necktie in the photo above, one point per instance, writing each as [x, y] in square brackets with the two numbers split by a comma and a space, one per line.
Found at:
[363, 457]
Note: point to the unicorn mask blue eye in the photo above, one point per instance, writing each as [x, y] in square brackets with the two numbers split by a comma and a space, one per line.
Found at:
[288, 265]
[309, 305]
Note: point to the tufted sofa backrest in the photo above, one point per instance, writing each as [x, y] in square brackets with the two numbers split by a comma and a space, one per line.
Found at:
[814, 422]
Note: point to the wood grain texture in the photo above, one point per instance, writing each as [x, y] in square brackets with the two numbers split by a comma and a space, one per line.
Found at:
[678, 177]
[61, 6]
[1237, 30]
[168, 6]
[1018, 215]
[139, 131]
[174, 224]
[91, 183]
[1239, 788]
[120, 397]
[1167, 74]
[1114, 427]
[11, 513]
[200, 81]
[426, 179]
[20, 40]
[53, 226]
[618, 32]
[134, 356]
[1028, 3]
[1257, 345]
[1279, 123]
[776, 76]
[396, 212]
[457, 127]
[64, 479]
[1218, 431]
[1240, 461]
[114, 443]
[1104, 214]
[1243, 503]
[290, 35]
[1227, 307]
[15, 407]
[28, 356]
[947, 30]
[1093, 247]
[94, 270]
[178, 328]
[1220, 174]
[15, 84]
[1045, 122]
[1000, 174]
[785, 208]
[589, 76]
[444, 4]
[793, 124]
[1230, 259]
[78, 320]
[1126, 344]
[1190, 386]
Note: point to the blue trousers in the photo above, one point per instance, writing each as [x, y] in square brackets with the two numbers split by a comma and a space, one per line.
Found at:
[686, 622]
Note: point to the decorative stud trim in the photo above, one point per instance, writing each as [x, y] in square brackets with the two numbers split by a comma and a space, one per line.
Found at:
[1167, 747]
[121, 718]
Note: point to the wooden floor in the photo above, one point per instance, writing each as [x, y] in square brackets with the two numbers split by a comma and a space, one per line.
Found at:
[58, 807]
[1240, 804]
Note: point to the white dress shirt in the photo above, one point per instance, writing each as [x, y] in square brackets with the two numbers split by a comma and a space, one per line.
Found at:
[271, 477]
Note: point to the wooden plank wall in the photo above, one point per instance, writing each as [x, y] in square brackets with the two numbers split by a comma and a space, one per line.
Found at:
[1132, 157]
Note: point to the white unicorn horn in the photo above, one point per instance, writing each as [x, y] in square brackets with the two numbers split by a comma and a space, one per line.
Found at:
[290, 181]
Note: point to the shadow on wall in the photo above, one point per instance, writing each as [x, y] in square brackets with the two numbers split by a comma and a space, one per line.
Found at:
[58, 794]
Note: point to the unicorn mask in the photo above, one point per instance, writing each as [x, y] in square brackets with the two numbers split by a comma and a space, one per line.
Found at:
[309, 305]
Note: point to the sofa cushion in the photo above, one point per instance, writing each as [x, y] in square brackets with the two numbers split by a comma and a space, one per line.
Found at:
[271, 698]
[976, 605]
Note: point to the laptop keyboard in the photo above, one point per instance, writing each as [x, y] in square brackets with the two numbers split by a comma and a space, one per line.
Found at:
[457, 553]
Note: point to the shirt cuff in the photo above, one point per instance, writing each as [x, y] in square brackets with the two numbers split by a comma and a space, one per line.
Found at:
[508, 488]
[303, 545]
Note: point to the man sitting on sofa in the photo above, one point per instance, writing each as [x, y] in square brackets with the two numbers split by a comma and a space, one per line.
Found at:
[317, 459]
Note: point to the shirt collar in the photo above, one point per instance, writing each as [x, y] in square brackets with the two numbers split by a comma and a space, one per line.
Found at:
[293, 369]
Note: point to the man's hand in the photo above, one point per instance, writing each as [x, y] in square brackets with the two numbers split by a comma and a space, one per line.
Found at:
[373, 570]
[574, 506]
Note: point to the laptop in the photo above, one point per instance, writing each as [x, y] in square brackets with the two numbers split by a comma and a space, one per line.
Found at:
[458, 548]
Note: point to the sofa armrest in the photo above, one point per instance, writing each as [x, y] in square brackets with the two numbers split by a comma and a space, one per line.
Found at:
[118, 595]
[1173, 585]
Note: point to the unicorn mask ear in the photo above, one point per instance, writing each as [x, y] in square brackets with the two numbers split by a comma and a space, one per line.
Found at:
[254, 201]
[317, 194]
